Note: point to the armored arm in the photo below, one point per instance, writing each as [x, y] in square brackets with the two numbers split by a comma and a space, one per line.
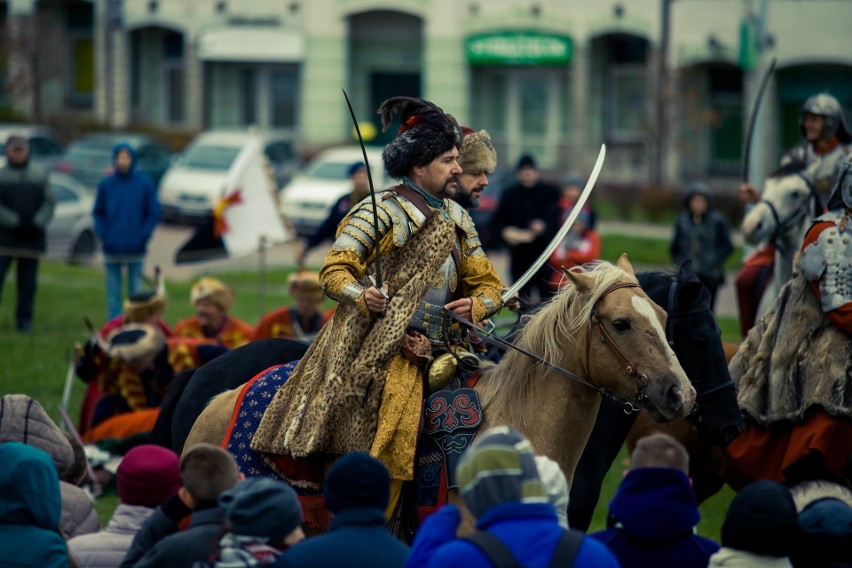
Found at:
[352, 252]
[479, 279]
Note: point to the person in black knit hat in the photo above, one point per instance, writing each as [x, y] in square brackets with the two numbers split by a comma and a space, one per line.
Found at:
[356, 491]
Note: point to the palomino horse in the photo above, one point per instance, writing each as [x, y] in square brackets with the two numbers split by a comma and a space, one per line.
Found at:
[607, 339]
[692, 332]
[786, 208]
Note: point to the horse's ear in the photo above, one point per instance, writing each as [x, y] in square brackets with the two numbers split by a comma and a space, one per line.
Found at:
[624, 264]
[685, 272]
[582, 282]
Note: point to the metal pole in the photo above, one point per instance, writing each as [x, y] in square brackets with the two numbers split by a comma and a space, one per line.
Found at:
[657, 174]
[757, 165]
[261, 276]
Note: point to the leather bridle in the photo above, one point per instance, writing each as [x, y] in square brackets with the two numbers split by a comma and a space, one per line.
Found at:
[595, 323]
[796, 216]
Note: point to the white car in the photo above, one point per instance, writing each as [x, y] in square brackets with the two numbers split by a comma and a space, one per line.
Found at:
[193, 185]
[307, 200]
[71, 232]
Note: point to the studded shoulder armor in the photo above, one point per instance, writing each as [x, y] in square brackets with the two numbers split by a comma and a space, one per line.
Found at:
[396, 214]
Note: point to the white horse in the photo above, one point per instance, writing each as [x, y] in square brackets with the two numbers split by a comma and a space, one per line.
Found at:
[783, 215]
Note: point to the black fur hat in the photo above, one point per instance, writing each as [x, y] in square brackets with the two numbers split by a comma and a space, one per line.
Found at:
[425, 133]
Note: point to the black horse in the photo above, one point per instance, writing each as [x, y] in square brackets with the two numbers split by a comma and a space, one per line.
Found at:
[190, 392]
[694, 335]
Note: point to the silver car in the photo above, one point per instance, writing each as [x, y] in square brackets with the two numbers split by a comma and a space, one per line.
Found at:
[71, 232]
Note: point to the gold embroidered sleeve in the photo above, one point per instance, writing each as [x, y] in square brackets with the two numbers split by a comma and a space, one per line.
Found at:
[342, 273]
[481, 283]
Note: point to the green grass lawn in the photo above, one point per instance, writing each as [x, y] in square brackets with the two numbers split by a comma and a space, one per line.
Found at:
[36, 364]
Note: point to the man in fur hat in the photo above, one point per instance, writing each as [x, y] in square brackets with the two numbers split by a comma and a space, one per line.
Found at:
[477, 160]
[212, 300]
[303, 319]
[360, 386]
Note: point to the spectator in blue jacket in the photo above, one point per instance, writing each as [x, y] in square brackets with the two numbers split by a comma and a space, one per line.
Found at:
[126, 213]
[501, 486]
[29, 509]
[653, 513]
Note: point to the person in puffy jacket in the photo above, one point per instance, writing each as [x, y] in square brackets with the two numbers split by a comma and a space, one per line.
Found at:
[653, 513]
[30, 506]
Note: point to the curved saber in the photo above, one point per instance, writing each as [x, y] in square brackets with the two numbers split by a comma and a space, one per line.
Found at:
[753, 118]
[566, 226]
[378, 280]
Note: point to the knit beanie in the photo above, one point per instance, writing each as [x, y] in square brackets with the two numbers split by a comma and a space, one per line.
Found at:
[147, 476]
[213, 290]
[356, 480]
[477, 153]
[762, 520]
[499, 468]
[556, 485]
[425, 133]
[262, 507]
[525, 161]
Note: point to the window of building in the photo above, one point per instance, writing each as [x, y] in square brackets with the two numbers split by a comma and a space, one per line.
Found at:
[81, 53]
[283, 96]
[248, 96]
[726, 131]
[173, 75]
[625, 88]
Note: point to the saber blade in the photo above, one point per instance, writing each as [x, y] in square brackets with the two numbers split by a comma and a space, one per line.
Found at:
[566, 226]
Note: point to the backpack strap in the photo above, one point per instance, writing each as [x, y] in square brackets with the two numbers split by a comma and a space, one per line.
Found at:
[492, 547]
[566, 550]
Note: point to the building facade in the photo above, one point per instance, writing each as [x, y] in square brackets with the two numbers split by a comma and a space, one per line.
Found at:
[668, 85]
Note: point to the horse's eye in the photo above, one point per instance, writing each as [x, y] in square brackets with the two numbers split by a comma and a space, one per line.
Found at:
[795, 195]
[621, 325]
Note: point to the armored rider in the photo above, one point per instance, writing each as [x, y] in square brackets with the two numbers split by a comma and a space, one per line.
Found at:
[826, 258]
[360, 386]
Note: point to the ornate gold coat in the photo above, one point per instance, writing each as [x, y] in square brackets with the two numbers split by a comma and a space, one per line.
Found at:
[354, 390]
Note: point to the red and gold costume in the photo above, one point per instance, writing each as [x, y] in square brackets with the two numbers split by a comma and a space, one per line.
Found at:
[232, 333]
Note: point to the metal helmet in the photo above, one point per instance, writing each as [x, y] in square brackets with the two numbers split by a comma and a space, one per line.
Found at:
[829, 108]
[841, 191]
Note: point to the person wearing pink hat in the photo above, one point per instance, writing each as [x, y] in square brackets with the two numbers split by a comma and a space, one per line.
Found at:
[146, 477]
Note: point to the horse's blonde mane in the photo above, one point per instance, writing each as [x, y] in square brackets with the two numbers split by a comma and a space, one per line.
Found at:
[545, 334]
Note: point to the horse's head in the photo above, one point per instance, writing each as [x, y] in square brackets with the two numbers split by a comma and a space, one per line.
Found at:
[786, 203]
[626, 350]
[692, 332]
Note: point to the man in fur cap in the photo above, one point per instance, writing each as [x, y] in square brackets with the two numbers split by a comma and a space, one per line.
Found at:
[477, 160]
[360, 386]
[303, 319]
[212, 300]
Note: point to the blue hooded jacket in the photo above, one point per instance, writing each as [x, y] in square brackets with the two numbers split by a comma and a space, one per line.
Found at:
[30, 505]
[126, 210]
[656, 511]
[530, 530]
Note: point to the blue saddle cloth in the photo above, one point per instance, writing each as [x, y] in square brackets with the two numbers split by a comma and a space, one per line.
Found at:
[251, 410]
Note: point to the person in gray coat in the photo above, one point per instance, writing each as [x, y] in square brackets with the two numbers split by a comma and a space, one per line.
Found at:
[26, 207]
[146, 477]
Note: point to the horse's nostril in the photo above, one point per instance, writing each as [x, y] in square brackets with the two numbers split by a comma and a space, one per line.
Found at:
[673, 398]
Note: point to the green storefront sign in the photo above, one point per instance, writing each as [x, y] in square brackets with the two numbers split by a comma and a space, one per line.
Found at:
[518, 48]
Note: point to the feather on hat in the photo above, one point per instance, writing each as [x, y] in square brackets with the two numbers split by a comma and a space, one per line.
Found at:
[425, 133]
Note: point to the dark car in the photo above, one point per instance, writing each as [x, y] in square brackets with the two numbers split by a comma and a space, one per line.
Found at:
[89, 159]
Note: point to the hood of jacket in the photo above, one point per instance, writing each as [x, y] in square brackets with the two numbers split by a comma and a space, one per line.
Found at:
[29, 487]
[129, 149]
[655, 504]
